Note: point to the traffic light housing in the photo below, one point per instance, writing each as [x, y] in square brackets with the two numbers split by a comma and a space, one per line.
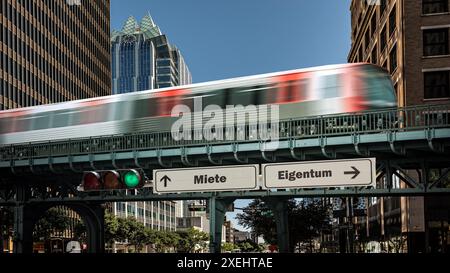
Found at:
[125, 179]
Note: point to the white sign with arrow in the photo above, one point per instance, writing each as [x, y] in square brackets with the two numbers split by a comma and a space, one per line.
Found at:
[207, 179]
[320, 174]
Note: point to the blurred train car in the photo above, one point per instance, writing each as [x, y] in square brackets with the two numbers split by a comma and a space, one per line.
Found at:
[300, 93]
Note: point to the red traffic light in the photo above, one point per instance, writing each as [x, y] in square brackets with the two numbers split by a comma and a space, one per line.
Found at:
[113, 180]
[91, 181]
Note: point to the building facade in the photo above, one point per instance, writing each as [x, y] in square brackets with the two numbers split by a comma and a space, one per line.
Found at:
[143, 59]
[53, 51]
[410, 39]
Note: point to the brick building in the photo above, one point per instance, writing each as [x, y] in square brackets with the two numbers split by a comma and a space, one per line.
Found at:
[410, 39]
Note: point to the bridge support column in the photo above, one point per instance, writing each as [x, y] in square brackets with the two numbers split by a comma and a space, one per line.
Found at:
[93, 216]
[26, 216]
[23, 222]
[23, 229]
[217, 210]
[280, 211]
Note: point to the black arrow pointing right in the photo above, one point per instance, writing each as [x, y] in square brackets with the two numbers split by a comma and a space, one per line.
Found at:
[164, 179]
[355, 172]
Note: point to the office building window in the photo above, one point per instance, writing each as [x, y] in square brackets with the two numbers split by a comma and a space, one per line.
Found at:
[392, 21]
[383, 39]
[382, 6]
[374, 55]
[435, 42]
[393, 59]
[373, 23]
[367, 38]
[434, 6]
[385, 64]
[436, 85]
[396, 90]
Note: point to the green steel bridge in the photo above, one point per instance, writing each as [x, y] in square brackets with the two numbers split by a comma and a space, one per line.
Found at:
[408, 143]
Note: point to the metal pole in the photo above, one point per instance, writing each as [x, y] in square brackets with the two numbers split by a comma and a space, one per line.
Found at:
[212, 224]
[280, 209]
[351, 226]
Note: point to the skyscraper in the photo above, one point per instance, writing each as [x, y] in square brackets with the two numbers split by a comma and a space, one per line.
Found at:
[53, 51]
[143, 59]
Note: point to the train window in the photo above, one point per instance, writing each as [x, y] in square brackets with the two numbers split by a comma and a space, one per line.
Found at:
[330, 86]
[144, 108]
[216, 97]
[93, 114]
[291, 91]
[241, 96]
[266, 93]
[166, 104]
[4, 127]
[167, 100]
[60, 119]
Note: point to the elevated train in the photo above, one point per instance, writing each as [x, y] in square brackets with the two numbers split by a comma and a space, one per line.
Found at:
[299, 93]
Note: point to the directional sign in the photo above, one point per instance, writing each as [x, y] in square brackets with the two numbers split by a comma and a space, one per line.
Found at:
[208, 179]
[317, 174]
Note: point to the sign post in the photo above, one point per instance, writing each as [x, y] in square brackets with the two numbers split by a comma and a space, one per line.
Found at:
[207, 179]
[320, 174]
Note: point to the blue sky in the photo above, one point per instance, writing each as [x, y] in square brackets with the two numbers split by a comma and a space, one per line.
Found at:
[222, 39]
[228, 38]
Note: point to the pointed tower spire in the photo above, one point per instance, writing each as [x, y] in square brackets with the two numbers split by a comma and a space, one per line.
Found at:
[149, 28]
[147, 22]
[130, 26]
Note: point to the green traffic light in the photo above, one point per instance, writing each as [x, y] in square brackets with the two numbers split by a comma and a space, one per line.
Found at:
[131, 179]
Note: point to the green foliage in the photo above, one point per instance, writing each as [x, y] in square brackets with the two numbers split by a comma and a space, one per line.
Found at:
[166, 240]
[111, 227]
[53, 220]
[250, 246]
[79, 231]
[191, 239]
[306, 219]
[137, 235]
[228, 246]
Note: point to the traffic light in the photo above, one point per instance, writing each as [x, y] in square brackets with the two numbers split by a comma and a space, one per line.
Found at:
[113, 180]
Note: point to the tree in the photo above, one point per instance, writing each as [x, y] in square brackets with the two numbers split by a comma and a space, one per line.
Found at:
[228, 247]
[128, 229]
[53, 220]
[305, 219]
[166, 240]
[258, 217]
[123, 230]
[111, 228]
[191, 239]
[79, 231]
[137, 234]
[250, 246]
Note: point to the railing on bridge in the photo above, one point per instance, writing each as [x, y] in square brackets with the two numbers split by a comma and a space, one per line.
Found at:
[389, 120]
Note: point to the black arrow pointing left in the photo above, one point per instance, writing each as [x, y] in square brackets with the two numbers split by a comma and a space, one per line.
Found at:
[165, 179]
[355, 172]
